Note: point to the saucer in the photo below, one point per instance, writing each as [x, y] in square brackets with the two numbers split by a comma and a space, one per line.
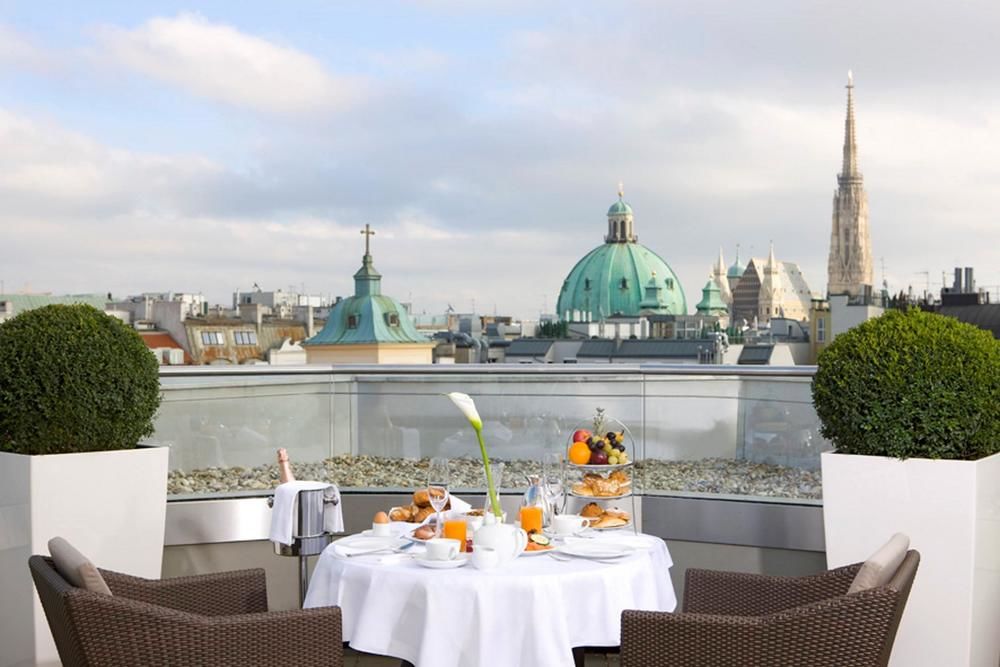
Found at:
[424, 561]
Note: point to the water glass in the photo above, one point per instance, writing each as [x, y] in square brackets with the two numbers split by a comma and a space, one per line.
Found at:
[553, 480]
[438, 480]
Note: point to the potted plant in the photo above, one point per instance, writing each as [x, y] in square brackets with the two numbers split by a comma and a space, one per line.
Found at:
[78, 390]
[911, 402]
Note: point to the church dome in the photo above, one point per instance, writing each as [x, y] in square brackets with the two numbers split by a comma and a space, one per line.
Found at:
[620, 277]
[620, 207]
[737, 269]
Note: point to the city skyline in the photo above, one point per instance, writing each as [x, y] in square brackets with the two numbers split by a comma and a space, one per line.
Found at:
[153, 148]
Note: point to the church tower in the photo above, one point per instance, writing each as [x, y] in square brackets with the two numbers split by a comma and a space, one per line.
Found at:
[849, 269]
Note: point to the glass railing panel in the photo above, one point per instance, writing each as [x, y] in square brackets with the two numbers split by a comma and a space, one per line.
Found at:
[402, 421]
[223, 431]
[740, 436]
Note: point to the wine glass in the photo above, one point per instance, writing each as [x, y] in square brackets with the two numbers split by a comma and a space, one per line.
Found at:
[438, 478]
[553, 476]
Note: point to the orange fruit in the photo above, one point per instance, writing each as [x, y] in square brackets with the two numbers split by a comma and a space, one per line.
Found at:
[579, 453]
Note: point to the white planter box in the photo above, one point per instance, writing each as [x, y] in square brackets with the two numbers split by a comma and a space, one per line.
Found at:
[951, 512]
[110, 505]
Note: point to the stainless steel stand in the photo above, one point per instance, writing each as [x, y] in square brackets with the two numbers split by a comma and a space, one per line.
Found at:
[308, 536]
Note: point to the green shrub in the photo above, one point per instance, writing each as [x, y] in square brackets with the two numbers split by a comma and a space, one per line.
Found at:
[73, 379]
[911, 384]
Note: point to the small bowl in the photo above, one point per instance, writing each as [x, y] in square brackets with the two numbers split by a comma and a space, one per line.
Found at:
[381, 530]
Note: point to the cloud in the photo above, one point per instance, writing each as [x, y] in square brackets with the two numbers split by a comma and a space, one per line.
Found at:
[20, 51]
[221, 63]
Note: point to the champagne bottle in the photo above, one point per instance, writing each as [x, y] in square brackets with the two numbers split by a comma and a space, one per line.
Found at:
[284, 467]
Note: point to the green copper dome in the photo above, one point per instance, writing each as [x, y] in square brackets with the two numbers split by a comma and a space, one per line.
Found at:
[737, 269]
[620, 208]
[620, 278]
[369, 316]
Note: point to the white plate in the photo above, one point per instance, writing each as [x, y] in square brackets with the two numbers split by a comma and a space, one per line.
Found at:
[366, 540]
[596, 549]
[421, 559]
[540, 552]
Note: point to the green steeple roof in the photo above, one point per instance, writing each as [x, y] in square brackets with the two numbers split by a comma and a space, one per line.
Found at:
[737, 269]
[369, 316]
[711, 300]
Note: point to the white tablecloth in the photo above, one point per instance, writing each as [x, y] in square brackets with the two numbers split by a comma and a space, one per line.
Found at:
[528, 613]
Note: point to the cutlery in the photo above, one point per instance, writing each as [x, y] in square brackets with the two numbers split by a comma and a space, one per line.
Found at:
[394, 550]
[564, 558]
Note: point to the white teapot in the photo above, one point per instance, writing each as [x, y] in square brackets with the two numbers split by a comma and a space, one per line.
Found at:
[507, 540]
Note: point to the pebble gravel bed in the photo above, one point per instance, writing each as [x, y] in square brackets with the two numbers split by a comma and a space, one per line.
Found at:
[704, 476]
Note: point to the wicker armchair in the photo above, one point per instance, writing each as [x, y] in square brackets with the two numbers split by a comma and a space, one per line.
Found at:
[211, 620]
[738, 620]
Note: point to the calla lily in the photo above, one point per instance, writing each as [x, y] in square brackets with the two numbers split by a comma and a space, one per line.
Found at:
[465, 403]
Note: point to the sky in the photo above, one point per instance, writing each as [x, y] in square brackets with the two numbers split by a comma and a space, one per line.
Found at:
[210, 146]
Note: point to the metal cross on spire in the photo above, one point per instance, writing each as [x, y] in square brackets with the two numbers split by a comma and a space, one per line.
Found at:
[369, 233]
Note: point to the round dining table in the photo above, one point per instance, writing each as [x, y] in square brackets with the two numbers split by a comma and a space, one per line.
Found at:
[531, 611]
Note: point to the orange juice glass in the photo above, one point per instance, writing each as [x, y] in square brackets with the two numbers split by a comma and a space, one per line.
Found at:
[454, 529]
[531, 518]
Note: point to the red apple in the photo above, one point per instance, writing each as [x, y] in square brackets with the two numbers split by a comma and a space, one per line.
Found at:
[598, 458]
[581, 435]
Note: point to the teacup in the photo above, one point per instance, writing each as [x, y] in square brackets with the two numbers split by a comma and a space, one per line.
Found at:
[381, 530]
[568, 524]
[485, 558]
[442, 548]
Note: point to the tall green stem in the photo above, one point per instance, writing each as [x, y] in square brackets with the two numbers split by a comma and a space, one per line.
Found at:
[491, 490]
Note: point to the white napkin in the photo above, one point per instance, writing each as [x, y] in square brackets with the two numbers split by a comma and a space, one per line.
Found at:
[286, 500]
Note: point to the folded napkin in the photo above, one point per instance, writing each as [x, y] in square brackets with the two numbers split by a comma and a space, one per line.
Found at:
[285, 509]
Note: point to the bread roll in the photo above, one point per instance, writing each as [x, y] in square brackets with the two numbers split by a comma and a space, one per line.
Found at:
[423, 513]
[421, 499]
[400, 514]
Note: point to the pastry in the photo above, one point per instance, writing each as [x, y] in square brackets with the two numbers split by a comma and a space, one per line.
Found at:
[582, 489]
[422, 514]
[421, 498]
[400, 514]
[591, 510]
[424, 532]
[608, 521]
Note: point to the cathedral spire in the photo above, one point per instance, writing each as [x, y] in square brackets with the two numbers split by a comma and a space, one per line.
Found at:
[849, 267]
[849, 170]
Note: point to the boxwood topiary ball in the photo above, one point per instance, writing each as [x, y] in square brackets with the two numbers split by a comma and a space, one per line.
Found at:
[73, 379]
[911, 384]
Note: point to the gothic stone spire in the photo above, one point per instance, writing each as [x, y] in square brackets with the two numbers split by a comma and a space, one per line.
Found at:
[849, 268]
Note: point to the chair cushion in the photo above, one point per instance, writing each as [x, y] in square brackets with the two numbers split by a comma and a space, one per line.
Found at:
[881, 565]
[75, 567]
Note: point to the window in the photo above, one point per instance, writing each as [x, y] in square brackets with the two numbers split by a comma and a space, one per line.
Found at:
[624, 283]
[821, 330]
[213, 338]
[669, 282]
[352, 321]
[392, 319]
[586, 283]
[245, 337]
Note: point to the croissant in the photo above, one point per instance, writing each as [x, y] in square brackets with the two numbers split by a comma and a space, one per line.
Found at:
[423, 513]
[400, 514]
[421, 499]
[591, 510]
